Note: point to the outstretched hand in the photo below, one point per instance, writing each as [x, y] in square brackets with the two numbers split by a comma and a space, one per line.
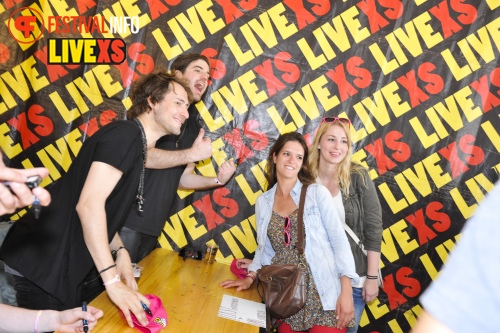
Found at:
[226, 171]
[238, 284]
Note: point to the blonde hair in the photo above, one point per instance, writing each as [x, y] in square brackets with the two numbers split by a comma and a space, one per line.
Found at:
[345, 167]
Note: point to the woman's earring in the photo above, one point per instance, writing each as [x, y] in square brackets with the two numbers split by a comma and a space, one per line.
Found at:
[319, 147]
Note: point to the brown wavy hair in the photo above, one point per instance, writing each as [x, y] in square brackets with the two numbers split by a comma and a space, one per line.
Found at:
[153, 88]
[182, 61]
[305, 175]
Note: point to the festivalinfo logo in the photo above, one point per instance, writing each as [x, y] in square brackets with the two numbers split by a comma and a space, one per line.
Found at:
[27, 25]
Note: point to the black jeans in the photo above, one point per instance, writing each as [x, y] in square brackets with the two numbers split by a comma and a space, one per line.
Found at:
[138, 245]
[30, 296]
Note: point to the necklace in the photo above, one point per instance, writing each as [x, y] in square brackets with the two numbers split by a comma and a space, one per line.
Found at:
[140, 190]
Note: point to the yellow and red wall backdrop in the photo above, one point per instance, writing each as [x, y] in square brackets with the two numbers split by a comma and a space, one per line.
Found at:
[419, 79]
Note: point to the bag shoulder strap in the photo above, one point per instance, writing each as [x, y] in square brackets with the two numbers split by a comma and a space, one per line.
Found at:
[354, 237]
[300, 240]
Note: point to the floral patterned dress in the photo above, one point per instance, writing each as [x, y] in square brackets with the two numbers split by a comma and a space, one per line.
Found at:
[312, 313]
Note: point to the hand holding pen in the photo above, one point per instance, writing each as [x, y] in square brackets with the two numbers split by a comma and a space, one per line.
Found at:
[15, 194]
[32, 182]
[84, 321]
[129, 302]
[70, 320]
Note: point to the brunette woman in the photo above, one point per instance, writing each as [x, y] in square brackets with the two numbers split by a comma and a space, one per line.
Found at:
[329, 305]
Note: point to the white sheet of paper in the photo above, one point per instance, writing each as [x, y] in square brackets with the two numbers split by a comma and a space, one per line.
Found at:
[243, 310]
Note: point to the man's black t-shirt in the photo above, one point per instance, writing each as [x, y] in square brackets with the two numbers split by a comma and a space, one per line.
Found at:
[51, 251]
[160, 186]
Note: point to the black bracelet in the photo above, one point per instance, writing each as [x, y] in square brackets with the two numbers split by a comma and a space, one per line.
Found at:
[371, 277]
[107, 268]
[114, 252]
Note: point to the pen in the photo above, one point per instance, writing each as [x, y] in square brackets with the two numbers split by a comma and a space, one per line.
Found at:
[145, 307]
[85, 324]
[36, 207]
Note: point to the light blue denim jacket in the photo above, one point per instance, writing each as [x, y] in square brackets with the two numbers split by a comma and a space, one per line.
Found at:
[327, 249]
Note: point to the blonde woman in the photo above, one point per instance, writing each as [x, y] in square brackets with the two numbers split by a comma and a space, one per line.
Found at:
[356, 199]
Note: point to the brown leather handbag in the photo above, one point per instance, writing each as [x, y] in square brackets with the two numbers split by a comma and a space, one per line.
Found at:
[283, 287]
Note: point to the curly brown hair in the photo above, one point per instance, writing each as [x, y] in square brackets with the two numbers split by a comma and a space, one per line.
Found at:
[152, 88]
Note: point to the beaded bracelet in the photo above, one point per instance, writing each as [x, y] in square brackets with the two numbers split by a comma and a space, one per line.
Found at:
[372, 277]
[113, 280]
[36, 321]
[114, 252]
[107, 268]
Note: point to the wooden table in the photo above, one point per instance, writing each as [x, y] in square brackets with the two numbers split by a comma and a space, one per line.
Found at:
[189, 291]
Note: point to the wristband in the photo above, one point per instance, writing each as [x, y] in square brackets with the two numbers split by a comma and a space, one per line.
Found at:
[107, 268]
[114, 252]
[113, 280]
[371, 277]
[250, 276]
[36, 321]
[217, 181]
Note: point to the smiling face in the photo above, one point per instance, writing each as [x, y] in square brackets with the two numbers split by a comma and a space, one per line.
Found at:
[333, 145]
[171, 112]
[289, 160]
[197, 73]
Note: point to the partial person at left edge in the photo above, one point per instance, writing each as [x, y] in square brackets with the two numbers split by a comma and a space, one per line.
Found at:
[14, 319]
[14, 193]
[65, 257]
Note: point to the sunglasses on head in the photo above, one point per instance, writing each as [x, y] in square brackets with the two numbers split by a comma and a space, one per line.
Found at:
[287, 231]
[332, 119]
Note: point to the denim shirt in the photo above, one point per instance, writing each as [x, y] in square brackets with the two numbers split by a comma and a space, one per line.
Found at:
[327, 249]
